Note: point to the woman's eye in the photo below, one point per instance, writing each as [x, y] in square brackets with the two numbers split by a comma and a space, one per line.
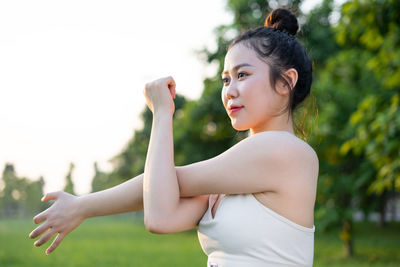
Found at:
[224, 80]
[241, 73]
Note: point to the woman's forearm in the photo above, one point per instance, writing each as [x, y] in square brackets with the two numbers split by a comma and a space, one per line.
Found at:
[121, 198]
[160, 187]
[125, 197]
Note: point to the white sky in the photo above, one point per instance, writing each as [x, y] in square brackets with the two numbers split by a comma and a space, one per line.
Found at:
[72, 73]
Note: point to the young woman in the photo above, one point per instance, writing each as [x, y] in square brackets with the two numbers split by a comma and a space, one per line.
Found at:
[254, 203]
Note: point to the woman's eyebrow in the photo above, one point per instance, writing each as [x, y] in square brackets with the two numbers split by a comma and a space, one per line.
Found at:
[237, 67]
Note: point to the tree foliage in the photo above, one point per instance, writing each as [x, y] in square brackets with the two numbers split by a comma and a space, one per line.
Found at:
[376, 122]
[69, 184]
[357, 134]
[20, 196]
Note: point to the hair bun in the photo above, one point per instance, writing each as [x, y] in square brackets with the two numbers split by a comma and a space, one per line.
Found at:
[283, 20]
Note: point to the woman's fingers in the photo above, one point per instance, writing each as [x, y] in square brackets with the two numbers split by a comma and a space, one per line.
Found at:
[45, 237]
[39, 230]
[171, 86]
[55, 243]
[40, 217]
[47, 197]
[50, 196]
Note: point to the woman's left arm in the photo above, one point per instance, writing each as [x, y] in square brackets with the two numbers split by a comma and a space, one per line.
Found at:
[161, 195]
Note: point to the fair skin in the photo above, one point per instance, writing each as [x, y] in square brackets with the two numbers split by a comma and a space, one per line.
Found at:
[279, 168]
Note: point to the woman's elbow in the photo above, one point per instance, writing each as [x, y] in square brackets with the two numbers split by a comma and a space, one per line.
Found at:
[153, 229]
[155, 226]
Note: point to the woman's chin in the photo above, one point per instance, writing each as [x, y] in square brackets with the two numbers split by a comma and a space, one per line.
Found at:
[239, 127]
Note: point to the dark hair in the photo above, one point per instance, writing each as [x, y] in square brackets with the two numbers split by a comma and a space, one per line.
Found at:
[275, 43]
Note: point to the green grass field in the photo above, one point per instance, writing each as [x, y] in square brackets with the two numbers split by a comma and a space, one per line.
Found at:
[123, 241]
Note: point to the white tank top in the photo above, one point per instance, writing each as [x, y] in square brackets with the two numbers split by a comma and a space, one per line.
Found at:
[245, 233]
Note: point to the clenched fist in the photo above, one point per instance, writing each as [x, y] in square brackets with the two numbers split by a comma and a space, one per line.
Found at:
[160, 94]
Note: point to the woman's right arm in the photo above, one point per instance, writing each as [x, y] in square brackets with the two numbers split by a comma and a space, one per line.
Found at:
[69, 211]
[125, 197]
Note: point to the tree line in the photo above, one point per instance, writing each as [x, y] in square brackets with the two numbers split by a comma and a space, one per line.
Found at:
[20, 196]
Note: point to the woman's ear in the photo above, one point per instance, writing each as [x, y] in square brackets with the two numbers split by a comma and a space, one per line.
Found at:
[291, 79]
[292, 76]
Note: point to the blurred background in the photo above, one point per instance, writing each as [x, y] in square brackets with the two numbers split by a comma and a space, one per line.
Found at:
[73, 118]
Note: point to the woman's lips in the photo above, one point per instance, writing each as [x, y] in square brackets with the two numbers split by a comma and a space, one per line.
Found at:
[234, 110]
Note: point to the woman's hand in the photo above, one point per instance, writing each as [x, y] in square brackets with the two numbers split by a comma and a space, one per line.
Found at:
[62, 217]
[159, 95]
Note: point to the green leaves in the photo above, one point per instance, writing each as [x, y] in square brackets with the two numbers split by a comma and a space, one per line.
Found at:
[374, 26]
[377, 132]
[357, 136]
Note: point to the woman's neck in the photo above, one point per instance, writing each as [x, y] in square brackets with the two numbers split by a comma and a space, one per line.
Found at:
[279, 123]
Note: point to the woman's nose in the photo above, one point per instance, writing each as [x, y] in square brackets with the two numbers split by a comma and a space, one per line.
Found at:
[231, 91]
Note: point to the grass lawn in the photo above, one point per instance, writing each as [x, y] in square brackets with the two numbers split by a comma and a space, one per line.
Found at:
[373, 247]
[106, 241]
[123, 241]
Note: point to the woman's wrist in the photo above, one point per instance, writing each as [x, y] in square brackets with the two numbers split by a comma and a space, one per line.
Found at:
[162, 114]
[83, 210]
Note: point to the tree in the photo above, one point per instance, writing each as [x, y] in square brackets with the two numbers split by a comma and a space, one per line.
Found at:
[10, 195]
[100, 180]
[20, 196]
[69, 186]
[359, 152]
[376, 122]
[34, 192]
[130, 162]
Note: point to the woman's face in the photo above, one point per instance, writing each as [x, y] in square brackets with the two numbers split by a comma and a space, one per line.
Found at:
[246, 84]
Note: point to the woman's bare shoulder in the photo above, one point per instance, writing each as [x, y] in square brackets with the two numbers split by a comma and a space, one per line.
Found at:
[287, 143]
[251, 165]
